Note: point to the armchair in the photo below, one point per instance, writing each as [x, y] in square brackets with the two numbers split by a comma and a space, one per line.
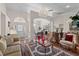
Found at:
[69, 41]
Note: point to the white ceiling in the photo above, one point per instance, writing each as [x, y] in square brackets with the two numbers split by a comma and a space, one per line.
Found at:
[22, 6]
[61, 7]
[41, 21]
[58, 8]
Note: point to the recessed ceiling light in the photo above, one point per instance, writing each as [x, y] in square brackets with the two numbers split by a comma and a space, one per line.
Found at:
[52, 10]
[67, 6]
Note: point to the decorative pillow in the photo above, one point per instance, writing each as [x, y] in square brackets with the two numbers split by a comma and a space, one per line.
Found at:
[16, 39]
[69, 37]
[9, 40]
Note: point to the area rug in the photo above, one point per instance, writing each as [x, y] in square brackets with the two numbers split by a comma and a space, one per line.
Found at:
[39, 50]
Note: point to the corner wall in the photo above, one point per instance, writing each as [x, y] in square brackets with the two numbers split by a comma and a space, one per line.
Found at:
[3, 10]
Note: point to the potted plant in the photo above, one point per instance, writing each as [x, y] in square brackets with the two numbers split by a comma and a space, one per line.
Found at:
[75, 20]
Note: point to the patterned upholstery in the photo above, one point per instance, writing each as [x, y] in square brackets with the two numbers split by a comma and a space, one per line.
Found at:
[3, 45]
[13, 50]
[69, 43]
[11, 39]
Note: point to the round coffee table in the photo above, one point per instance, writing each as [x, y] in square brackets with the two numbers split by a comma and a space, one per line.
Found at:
[45, 45]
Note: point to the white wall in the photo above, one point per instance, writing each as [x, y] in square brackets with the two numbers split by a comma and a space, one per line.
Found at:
[7, 28]
[3, 10]
[63, 19]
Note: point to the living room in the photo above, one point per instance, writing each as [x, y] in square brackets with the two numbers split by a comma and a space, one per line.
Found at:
[48, 30]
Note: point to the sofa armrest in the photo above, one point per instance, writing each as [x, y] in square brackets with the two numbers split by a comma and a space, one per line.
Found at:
[12, 49]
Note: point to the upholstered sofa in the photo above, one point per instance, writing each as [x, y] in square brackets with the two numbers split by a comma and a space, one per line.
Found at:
[12, 39]
[11, 50]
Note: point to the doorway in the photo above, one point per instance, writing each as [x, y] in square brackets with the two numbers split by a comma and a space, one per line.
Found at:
[20, 27]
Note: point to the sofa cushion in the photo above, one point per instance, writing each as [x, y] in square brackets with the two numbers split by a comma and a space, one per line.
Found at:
[15, 39]
[69, 37]
[66, 42]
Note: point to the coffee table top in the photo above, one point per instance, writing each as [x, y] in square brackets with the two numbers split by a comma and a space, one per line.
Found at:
[46, 43]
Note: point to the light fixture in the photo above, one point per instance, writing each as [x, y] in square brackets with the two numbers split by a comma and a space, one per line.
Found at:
[52, 12]
[67, 6]
[43, 11]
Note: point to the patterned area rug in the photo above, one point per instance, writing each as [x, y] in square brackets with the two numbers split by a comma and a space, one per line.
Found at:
[39, 50]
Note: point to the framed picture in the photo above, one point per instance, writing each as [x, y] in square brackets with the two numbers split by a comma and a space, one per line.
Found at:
[19, 27]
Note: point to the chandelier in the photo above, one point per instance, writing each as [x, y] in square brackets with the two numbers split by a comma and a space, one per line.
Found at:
[43, 11]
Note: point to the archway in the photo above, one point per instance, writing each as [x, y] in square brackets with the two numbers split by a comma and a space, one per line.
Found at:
[41, 24]
[20, 25]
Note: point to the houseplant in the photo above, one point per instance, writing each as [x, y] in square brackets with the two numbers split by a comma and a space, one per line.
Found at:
[75, 20]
